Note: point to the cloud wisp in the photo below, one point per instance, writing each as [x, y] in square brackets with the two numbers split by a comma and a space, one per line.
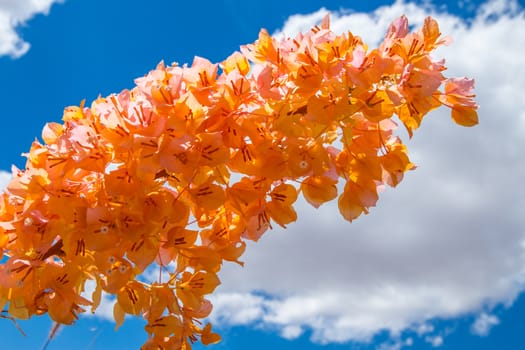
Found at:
[448, 242]
[13, 15]
[483, 324]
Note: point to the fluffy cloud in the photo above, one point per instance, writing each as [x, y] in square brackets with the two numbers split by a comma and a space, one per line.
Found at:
[448, 242]
[105, 308]
[435, 341]
[238, 308]
[16, 13]
[395, 345]
[5, 177]
[483, 324]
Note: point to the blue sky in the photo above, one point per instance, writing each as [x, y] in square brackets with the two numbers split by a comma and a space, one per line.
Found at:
[440, 263]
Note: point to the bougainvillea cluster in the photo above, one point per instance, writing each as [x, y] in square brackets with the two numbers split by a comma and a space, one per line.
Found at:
[178, 172]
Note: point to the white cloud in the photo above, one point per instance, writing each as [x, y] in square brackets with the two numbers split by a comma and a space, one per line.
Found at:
[5, 177]
[237, 308]
[483, 324]
[424, 328]
[14, 14]
[395, 344]
[435, 341]
[105, 308]
[291, 332]
[369, 26]
[446, 243]
[390, 346]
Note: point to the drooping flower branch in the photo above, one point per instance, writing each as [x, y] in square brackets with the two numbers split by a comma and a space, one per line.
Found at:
[143, 177]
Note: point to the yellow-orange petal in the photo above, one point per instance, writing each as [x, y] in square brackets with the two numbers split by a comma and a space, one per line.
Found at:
[208, 196]
[118, 315]
[208, 337]
[285, 194]
[165, 326]
[464, 116]
[51, 132]
[281, 214]
[236, 61]
[318, 190]
[349, 207]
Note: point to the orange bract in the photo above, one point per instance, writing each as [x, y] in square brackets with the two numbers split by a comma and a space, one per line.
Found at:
[144, 177]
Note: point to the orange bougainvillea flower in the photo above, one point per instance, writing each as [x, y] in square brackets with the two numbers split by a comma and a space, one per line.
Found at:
[171, 178]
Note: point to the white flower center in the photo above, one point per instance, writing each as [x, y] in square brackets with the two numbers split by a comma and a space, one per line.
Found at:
[28, 221]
